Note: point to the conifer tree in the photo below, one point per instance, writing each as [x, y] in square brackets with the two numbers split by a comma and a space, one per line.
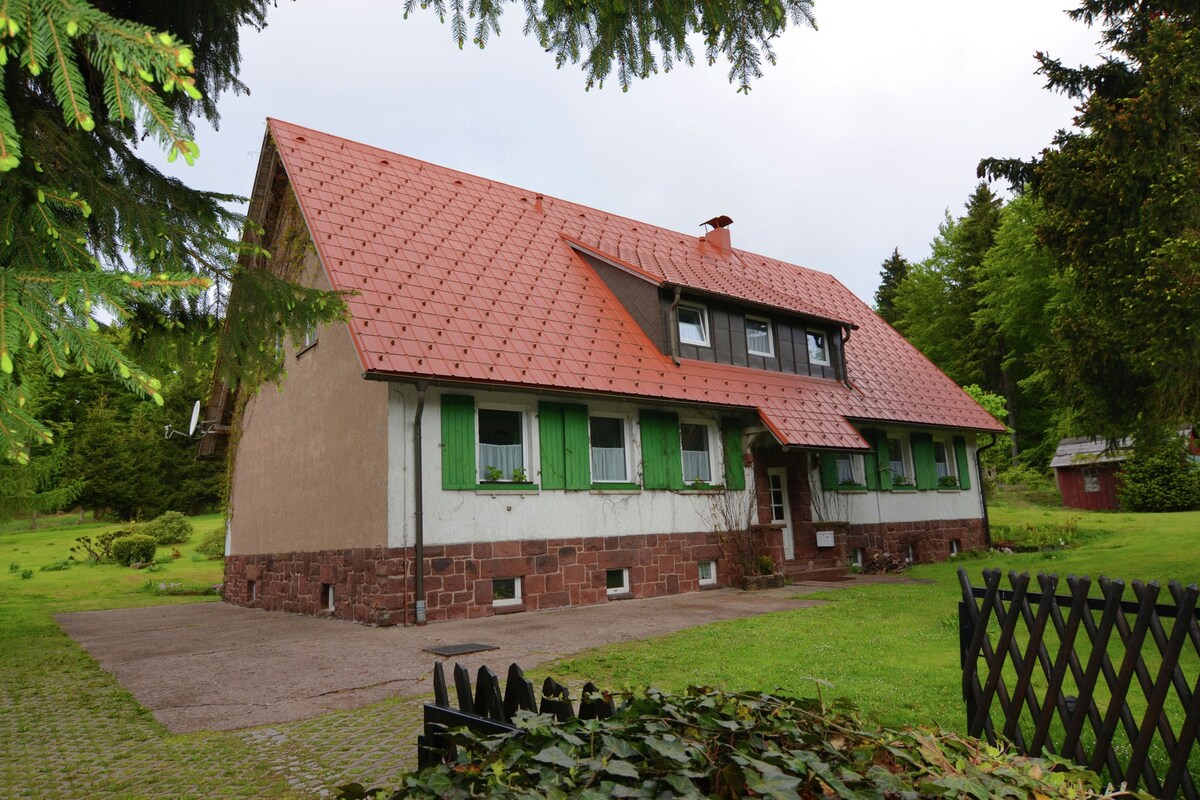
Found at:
[892, 273]
[1121, 197]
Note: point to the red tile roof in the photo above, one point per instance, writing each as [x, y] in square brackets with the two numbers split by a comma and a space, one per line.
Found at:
[462, 278]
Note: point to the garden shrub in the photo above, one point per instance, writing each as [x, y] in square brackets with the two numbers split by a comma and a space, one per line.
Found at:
[711, 743]
[134, 548]
[169, 528]
[212, 545]
[98, 550]
[1157, 476]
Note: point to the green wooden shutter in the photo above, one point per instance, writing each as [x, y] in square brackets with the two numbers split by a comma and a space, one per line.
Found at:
[458, 442]
[662, 461]
[552, 449]
[884, 455]
[829, 471]
[923, 461]
[735, 472]
[577, 454]
[964, 466]
[870, 463]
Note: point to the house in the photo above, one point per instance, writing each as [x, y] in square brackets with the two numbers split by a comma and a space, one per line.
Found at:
[537, 404]
[1087, 470]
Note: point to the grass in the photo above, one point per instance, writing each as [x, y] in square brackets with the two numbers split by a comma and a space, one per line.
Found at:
[67, 728]
[892, 649]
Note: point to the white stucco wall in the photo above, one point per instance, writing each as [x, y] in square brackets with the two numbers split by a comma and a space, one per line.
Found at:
[901, 506]
[460, 516]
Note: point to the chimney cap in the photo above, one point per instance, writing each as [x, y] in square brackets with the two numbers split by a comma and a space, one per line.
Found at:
[718, 222]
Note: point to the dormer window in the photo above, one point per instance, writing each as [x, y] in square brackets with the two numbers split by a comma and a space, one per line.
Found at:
[818, 350]
[759, 341]
[693, 325]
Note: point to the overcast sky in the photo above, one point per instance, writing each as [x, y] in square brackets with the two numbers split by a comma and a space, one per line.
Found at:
[856, 142]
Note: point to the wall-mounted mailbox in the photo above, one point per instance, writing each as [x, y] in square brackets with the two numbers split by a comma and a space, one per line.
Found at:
[824, 538]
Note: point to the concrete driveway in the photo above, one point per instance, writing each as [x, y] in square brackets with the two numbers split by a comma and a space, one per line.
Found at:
[212, 666]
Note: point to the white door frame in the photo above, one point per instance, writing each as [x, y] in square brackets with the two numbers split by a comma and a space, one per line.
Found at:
[789, 541]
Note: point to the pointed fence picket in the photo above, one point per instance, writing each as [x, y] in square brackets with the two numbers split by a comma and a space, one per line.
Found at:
[1100, 681]
[490, 711]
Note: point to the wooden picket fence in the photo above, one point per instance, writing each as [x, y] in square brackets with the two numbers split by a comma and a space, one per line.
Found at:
[489, 711]
[1100, 681]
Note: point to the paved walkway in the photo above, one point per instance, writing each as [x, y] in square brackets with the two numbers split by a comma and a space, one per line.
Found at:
[213, 666]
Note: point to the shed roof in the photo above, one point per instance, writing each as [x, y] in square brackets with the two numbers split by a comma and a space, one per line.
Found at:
[1083, 450]
[461, 278]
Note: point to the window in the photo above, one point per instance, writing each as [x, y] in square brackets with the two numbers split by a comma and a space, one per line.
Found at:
[251, 590]
[693, 325]
[818, 353]
[943, 461]
[955, 547]
[506, 592]
[696, 445]
[1091, 479]
[617, 581]
[910, 553]
[501, 445]
[310, 337]
[859, 559]
[610, 463]
[759, 341]
[849, 469]
[778, 501]
[327, 596]
[898, 463]
[708, 573]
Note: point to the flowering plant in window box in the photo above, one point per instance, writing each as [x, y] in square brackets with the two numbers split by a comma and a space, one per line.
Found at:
[948, 482]
[902, 481]
[851, 485]
[492, 474]
[519, 475]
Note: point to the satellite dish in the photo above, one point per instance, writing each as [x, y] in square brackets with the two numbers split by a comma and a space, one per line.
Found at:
[195, 419]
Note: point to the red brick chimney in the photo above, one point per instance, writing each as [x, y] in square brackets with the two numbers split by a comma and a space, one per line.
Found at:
[718, 237]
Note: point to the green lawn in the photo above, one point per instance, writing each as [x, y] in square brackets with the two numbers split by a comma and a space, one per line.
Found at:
[67, 728]
[892, 649]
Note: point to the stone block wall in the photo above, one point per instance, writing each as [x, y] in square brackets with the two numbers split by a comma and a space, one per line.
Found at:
[375, 585]
[930, 539]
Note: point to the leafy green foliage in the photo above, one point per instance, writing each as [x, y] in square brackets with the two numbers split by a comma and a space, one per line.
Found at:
[212, 545]
[170, 527]
[1158, 476]
[134, 548]
[180, 588]
[1121, 198]
[86, 226]
[98, 550]
[636, 37]
[997, 457]
[710, 743]
[1030, 536]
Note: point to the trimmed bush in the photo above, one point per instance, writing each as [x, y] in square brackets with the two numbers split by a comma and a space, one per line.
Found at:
[169, 528]
[134, 548]
[212, 545]
[1157, 476]
[710, 743]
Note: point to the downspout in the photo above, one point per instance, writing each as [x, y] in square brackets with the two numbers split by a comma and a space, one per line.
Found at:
[987, 525]
[846, 329]
[419, 507]
[673, 325]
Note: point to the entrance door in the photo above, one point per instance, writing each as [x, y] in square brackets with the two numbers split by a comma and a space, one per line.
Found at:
[781, 514]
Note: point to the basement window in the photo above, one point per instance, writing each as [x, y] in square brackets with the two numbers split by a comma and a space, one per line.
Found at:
[910, 553]
[506, 592]
[955, 547]
[859, 557]
[251, 591]
[327, 596]
[693, 325]
[708, 573]
[617, 581]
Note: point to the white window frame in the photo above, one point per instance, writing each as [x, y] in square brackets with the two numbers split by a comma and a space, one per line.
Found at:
[526, 433]
[1095, 479]
[517, 599]
[856, 467]
[705, 329]
[624, 587]
[627, 435]
[714, 462]
[951, 456]
[808, 334]
[770, 351]
[711, 580]
[905, 458]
